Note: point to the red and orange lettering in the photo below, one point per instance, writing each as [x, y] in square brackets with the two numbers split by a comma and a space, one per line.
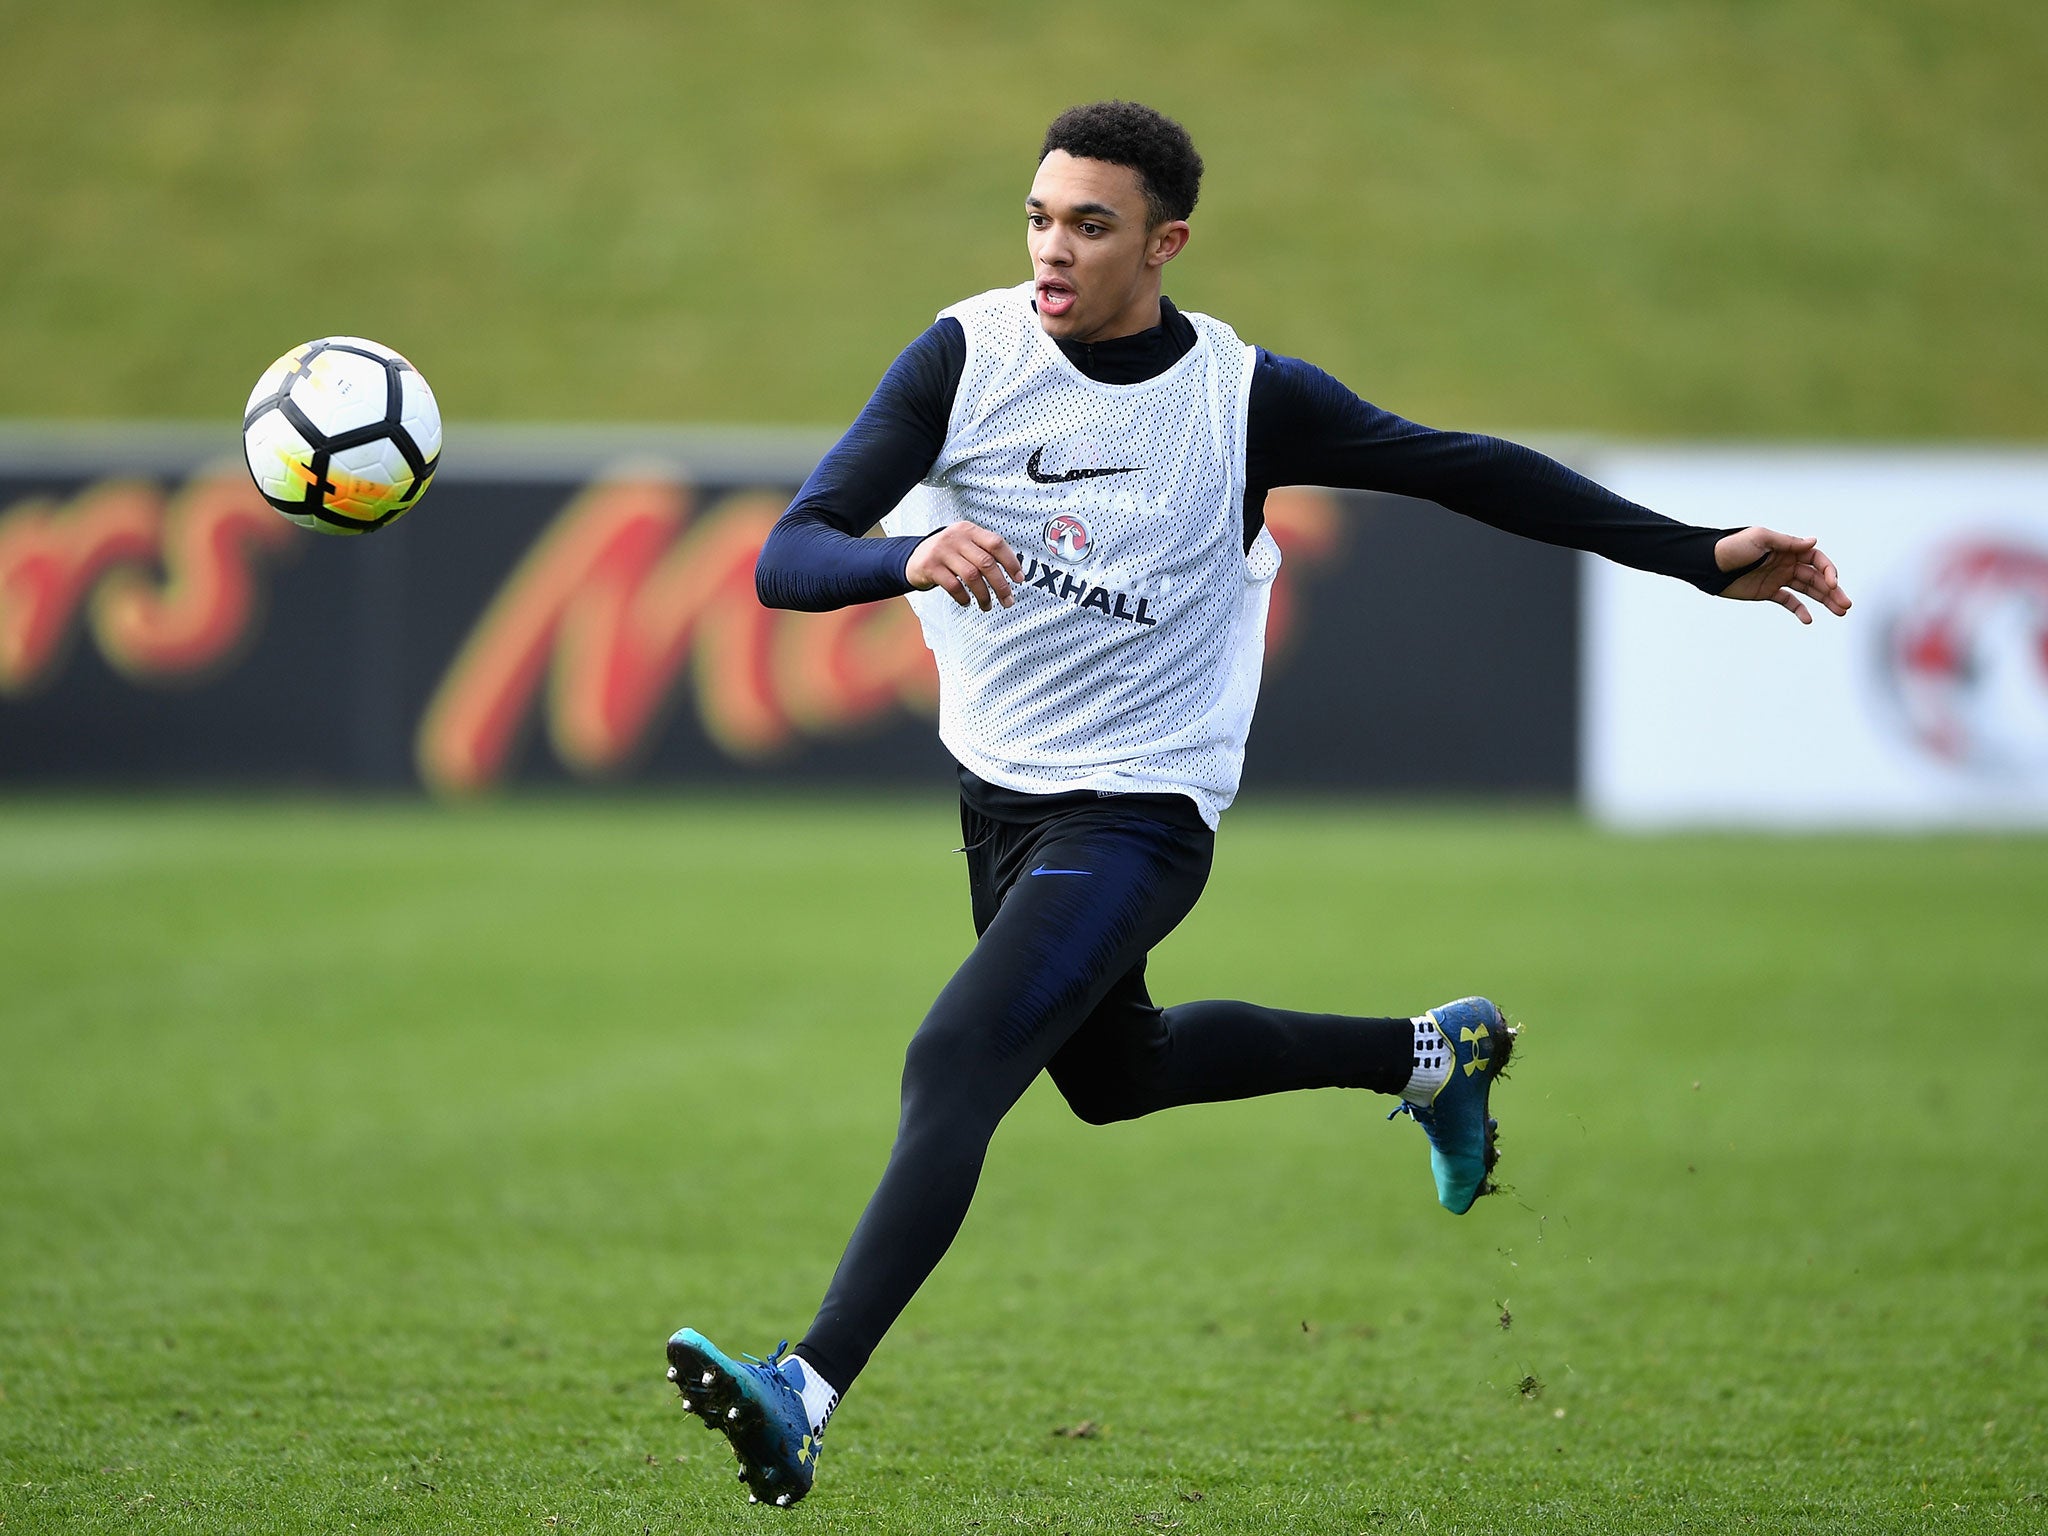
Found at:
[833, 670]
[49, 560]
[192, 623]
[625, 592]
[614, 593]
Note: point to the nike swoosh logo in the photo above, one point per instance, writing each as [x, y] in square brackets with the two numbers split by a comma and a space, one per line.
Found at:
[1033, 467]
[1042, 870]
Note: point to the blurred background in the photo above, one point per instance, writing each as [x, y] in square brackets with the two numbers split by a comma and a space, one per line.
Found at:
[674, 247]
[364, 1140]
[1811, 219]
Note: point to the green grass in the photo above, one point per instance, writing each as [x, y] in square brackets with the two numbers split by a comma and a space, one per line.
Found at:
[1705, 217]
[356, 1161]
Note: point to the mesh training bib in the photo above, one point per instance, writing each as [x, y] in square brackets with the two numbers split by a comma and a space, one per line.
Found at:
[1131, 660]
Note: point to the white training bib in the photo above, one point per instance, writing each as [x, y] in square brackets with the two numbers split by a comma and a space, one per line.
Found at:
[1131, 660]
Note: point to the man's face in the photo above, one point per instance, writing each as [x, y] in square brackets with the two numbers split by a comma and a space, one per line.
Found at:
[1094, 259]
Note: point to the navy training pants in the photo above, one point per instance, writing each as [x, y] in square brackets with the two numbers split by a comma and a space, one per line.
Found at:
[1066, 906]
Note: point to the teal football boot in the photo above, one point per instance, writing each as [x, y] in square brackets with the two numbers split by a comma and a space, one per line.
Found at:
[1461, 1133]
[758, 1405]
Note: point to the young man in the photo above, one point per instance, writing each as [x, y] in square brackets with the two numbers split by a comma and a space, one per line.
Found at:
[1074, 474]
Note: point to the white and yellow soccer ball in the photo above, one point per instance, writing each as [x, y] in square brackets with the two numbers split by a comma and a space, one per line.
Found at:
[342, 435]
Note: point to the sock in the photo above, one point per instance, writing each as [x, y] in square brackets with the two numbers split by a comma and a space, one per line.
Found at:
[1432, 1062]
[819, 1397]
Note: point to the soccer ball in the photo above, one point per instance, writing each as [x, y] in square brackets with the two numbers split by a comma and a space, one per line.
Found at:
[342, 435]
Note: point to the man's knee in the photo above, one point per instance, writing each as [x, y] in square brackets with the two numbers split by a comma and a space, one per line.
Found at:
[1098, 1103]
[954, 1077]
[940, 1052]
[1103, 1086]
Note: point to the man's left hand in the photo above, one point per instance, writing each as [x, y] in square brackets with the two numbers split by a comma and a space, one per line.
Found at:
[1791, 566]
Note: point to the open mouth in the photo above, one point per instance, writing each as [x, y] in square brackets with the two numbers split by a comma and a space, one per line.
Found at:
[1055, 298]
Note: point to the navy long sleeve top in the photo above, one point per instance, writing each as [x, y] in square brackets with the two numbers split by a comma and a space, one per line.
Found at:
[1304, 428]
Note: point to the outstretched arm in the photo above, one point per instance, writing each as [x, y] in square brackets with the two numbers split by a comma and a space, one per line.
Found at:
[1308, 429]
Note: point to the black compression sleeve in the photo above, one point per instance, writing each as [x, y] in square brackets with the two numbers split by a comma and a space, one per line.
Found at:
[1306, 428]
[816, 557]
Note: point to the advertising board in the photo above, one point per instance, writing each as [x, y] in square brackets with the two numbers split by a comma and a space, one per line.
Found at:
[1926, 707]
[578, 608]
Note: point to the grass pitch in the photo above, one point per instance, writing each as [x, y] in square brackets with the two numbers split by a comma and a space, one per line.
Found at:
[357, 1161]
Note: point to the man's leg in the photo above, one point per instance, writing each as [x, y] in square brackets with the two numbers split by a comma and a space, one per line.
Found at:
[1131, 1058]
[1067, 911]
[1076, 904]
[1063, 907]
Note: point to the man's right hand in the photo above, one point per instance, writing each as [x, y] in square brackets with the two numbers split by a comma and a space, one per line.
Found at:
[969, 562]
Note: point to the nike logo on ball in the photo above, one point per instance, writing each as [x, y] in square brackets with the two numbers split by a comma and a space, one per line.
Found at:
[1034, 467]
[1042, 870]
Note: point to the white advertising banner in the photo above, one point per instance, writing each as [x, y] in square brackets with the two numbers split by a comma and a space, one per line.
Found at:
[1926, 707]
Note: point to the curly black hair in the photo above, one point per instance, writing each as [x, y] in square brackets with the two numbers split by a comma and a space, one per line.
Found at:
[1149, 142]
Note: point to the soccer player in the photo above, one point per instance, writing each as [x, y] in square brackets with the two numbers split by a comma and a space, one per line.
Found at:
[1073, 474]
